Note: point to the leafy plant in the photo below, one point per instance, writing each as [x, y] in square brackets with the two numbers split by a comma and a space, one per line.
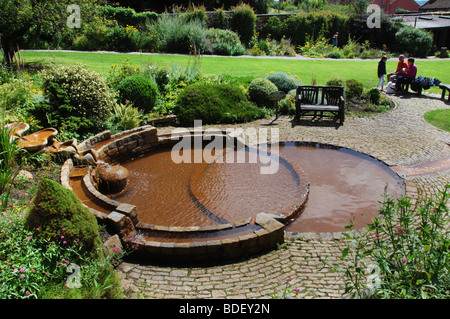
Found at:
[76, 99]
[403, 254]
[33, 267]
[125, 117]
[353, 88]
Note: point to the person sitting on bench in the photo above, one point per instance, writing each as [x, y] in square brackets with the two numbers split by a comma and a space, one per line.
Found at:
[392, 77]
[409, 77]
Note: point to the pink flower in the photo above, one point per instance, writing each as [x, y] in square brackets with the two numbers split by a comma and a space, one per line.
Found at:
[21, 270]
[27, 293]
[404, 260]
[62, 237]
[63, 229]
[21, 276]
[64, 242]
[297, 290]
[289, 279]
[30, 237]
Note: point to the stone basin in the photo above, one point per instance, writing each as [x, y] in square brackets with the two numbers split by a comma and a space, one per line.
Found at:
[17, 129]
[38, 140]
[69, 147]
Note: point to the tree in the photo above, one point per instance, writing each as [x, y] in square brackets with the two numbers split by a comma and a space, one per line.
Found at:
[18, 17]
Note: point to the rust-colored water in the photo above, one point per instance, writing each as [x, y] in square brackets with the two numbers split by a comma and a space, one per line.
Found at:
[344, 185]
[204, 194]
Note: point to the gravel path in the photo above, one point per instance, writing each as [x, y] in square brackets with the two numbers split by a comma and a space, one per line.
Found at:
[399, 138]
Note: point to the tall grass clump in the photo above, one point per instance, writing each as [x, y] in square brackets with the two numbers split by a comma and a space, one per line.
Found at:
[181, 36]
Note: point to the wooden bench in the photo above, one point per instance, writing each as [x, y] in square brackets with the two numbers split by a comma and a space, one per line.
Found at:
[444, 88]
[405, 88]
[326, 100]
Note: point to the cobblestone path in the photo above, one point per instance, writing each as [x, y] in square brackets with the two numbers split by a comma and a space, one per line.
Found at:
[399, 138]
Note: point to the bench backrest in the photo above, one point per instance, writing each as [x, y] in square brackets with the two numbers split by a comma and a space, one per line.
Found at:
[324, 95]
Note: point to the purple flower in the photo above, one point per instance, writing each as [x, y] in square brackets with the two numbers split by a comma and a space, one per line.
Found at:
[404, 260]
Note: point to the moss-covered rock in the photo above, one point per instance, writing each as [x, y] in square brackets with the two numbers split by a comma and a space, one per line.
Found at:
[58, 214]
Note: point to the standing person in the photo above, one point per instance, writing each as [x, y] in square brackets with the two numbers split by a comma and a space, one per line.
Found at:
[381, 72]
[402, 66]
[335, 39]
[409, 77]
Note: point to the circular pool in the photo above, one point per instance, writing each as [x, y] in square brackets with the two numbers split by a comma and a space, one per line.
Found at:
[224, 203]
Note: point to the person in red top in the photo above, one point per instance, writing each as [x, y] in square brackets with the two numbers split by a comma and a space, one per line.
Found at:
[409, 77]
[401, 69]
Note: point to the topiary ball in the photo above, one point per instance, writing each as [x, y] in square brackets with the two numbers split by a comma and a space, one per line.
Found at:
[58, 214]
[284, 81]
[259, 91]
[141, 91]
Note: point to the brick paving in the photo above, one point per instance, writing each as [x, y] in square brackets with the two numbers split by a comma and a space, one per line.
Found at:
[400, 137]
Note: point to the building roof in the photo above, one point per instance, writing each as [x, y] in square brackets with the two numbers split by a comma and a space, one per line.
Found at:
[436, 5]
[426, 21]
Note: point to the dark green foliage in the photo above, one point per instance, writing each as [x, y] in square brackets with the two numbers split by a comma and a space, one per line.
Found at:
[335, 82]
[224, 42]
[58, 214]
[353, 88]
[283, 81]
[377, 37]
[215, 104]
[374, 96]
[219, 20]
[259, 90]
[128, 16]
[243, 22]
[141, 91]
[77, 100]
[415, 41]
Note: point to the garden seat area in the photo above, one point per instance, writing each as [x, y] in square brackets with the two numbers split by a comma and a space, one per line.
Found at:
[320, 99]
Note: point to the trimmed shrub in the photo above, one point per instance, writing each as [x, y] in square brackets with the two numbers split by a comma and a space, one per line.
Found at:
[58, 214]
[283, 81]
[259, 90]
[77, 100]
[128, 16]
[215, 104]
[353, 88]
[415, 41]
[243, 22]
[224, 42]
[141, 91]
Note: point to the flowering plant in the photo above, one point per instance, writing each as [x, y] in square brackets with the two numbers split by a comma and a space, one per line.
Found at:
[404, 253]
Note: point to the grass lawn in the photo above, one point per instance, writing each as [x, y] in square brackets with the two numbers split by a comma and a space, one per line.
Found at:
[439, 118]
[246, 68]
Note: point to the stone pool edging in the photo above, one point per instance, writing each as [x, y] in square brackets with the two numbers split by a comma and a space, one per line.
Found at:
[124, 220]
